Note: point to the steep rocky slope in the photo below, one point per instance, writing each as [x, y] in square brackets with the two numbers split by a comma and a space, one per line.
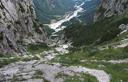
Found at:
[18, 26]
[110, 8]
[90, 8]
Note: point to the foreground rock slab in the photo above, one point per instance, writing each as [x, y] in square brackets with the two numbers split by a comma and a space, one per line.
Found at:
[36, 71]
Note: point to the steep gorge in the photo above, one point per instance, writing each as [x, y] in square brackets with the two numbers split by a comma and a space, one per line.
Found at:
[99, 50]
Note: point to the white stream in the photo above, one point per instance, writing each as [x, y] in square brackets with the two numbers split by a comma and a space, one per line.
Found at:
[57, 25]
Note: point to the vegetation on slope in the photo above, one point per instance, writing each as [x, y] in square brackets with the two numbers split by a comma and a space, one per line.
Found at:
[33, 49]
[94, 58]
[87, 41]
[37, 48]
[95, 33]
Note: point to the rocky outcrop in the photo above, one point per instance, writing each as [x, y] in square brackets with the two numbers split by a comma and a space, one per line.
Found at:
[18, 26]
[110, 8]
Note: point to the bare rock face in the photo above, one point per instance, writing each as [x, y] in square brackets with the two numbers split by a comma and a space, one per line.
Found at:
[110, 8]
[18, 26]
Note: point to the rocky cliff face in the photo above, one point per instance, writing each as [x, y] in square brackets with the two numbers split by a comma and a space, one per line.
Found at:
[110, 8]
[18, 26]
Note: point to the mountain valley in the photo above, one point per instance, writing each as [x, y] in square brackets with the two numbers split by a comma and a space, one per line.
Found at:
[64, 41]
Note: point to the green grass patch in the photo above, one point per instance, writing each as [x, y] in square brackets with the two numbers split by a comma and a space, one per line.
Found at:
[79, 77]
[74, 58]
[4, 62]
[118, 72]
[37, 48]
[32, 48]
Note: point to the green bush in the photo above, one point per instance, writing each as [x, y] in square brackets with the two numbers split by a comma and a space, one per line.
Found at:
[39, 47]
[125, 49]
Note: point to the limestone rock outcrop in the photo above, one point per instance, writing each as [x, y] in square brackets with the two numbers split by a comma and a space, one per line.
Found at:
[110, 8]
[19, 26]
